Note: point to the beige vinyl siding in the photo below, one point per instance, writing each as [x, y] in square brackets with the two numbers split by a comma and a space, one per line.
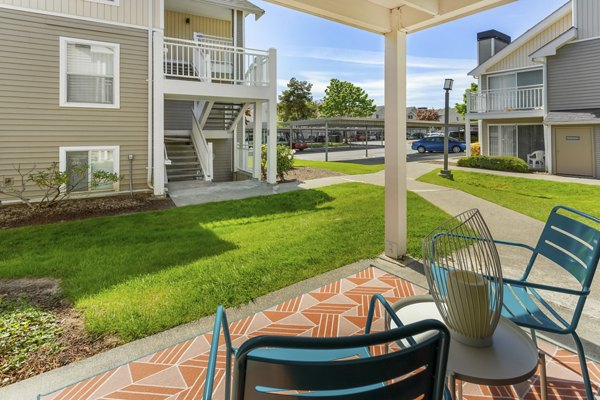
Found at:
[519, 58]
[222, 162]
[133, 12]
[588, 15]
[33, 126]
[574, 77]
[597, 149]
[176, 27]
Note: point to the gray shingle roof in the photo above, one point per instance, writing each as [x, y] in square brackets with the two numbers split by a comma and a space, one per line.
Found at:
[573, 116]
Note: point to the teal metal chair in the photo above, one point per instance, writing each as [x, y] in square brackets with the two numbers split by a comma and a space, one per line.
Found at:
[574, 246]
[302, 368]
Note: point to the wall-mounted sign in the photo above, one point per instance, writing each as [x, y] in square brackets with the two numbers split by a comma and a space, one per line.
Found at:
[573, 137]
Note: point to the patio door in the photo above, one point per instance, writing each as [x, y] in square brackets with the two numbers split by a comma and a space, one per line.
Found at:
[503, 140]
[574, 151]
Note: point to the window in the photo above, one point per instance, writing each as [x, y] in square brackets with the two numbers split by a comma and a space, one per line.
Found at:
[89, 74]
[516, 80]
[92, 159]
[515, 140]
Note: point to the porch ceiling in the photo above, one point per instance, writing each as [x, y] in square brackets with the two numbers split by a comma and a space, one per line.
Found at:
[375, 15]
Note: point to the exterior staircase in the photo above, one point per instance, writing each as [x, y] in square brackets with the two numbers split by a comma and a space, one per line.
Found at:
[188, 163]
[185, 165]
[222, 116]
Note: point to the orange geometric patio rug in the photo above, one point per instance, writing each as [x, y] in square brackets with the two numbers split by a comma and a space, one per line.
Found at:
[336, 309]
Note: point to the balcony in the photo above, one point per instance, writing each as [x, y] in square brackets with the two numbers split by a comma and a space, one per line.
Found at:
[523, 99]
[215, 60]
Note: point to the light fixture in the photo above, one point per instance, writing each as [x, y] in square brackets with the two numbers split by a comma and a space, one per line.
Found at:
[447, 87]
[448, 84]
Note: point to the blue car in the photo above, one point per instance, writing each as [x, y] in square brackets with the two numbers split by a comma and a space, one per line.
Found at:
[436, 143]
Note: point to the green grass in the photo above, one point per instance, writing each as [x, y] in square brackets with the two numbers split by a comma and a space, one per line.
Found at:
[140, 274]
[532, 197]
[343, 167]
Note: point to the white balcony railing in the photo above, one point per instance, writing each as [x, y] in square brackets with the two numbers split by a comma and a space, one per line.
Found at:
[246, 154]
[217, 63]
[506, 100]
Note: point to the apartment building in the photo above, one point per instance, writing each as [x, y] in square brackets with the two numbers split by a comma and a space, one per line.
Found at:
[538, 95]
[156, 87]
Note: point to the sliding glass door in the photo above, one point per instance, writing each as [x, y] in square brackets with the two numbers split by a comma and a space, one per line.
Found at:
[515, 140]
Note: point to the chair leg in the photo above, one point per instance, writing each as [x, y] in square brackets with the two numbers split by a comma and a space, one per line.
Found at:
[584, 370]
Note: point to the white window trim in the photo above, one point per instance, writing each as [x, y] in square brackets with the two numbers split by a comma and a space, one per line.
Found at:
[515, 72]
[517, 130]
[63, 74]
[108, 2]
[62, 160]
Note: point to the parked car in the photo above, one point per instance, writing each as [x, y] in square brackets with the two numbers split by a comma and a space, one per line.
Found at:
[299, 146]
[436, 143]
[296, 145]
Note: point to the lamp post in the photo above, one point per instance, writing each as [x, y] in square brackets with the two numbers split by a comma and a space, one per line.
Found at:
[447, 87]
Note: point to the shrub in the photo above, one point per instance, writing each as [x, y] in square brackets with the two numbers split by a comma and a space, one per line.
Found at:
[285, 161]
[498, 163]
[475, 149]
[54, 184]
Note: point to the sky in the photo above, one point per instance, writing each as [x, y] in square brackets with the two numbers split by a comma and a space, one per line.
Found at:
[317, 50]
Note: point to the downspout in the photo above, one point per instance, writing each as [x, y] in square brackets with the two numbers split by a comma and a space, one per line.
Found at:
[150, 91]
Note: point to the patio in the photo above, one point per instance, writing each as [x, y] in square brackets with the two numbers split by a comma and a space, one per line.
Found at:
[334, 309]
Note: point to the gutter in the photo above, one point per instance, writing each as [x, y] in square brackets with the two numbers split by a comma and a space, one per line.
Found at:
[150, 91]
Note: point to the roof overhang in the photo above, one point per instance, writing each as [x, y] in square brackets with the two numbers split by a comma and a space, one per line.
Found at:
[573, 117]
[518, 42]
[214, 7]
[376, 15]
[550, 48]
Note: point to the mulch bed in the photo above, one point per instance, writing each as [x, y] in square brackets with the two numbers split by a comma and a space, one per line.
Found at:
[305, 173]
[45, 293]
[21, 215]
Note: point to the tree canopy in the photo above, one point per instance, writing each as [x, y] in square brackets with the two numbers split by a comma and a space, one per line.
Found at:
[428, 114]
[344, 99]
[296, 102]
[461, 108]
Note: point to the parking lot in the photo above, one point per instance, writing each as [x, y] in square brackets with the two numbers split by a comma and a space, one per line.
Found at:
[374, 154]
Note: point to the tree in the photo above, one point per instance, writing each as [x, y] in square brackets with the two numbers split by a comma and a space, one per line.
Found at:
[461, 108]
[344, 99]
[427, 114]
[296, 102]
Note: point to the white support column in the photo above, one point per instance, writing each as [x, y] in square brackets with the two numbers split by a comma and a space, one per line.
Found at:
[548, 148]
[258, 114]
[272, 138]
[468, 134]
[395, 140]
[158, 155]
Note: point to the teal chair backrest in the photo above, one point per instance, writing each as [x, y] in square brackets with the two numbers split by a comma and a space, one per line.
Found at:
[418, 370]
[571, 244]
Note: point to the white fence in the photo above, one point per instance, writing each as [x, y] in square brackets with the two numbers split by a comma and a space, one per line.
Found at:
[505, 100]
[214, 62]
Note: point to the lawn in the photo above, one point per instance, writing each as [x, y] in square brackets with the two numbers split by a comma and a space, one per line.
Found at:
[140, 274]
[343, 167]
[532, 197]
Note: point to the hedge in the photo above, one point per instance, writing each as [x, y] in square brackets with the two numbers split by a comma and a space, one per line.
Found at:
[498, 163]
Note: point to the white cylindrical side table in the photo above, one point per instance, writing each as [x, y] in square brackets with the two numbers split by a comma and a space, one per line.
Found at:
[512, 358]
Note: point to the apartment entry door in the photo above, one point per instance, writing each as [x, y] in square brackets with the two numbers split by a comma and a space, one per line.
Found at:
[574, 151]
